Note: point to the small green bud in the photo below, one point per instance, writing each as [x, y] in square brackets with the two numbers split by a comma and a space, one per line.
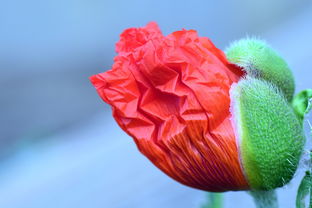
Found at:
[259, 60]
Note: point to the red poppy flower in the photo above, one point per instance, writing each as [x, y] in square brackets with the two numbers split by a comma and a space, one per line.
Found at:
[171, 94]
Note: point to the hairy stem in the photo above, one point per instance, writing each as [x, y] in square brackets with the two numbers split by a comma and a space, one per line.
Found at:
[265, 199]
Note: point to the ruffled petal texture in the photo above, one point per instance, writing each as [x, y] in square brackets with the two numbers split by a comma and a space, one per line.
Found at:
[171, 94]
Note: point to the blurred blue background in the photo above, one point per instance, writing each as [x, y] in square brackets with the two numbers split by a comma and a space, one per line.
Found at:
[59, 145]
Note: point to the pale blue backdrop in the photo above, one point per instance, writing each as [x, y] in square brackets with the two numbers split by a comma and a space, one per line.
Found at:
[59, 146]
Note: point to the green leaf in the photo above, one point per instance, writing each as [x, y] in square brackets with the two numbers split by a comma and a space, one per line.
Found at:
[304, 191]
[302, 103]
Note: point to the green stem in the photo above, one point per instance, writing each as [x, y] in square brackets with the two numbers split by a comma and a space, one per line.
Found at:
[215, 200]
[265, 199]
[310, 169]
[310, 201]
[305, 187]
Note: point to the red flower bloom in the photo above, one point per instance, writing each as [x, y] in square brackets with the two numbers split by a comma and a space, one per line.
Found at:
[171, 94]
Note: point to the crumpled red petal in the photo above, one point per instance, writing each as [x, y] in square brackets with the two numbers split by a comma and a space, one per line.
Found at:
[171, 94]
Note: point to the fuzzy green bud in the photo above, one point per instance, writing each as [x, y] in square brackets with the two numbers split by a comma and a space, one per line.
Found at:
[270, 136]
[259, 60]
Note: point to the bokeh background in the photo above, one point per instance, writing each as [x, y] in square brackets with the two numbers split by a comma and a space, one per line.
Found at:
[59, 145]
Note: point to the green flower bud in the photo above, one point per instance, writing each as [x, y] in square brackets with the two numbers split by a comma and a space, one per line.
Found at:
[259, 60]
[270, 136]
